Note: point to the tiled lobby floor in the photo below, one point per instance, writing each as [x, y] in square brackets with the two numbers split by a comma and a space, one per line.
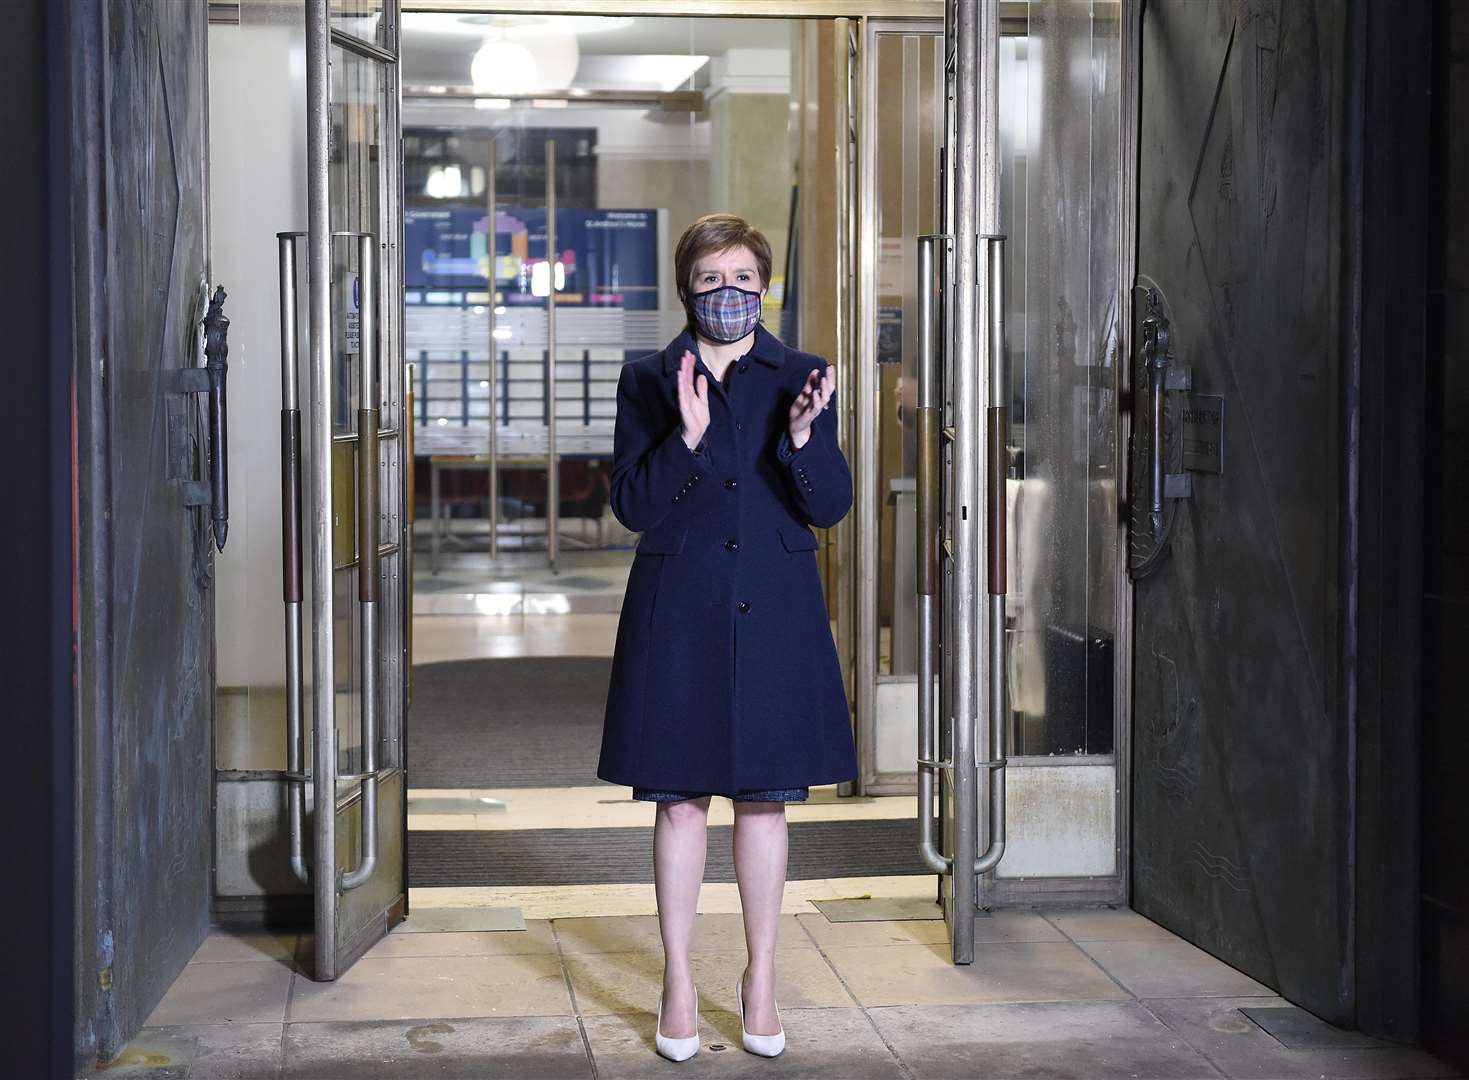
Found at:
[1094, 995]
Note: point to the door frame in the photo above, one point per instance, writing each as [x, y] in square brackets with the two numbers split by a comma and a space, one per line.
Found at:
[862, 432]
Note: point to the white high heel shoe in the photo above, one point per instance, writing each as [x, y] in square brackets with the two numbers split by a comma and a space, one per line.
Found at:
[764, 1045]
[677, 1049]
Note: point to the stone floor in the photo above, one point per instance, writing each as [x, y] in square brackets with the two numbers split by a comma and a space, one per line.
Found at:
[1093, 994]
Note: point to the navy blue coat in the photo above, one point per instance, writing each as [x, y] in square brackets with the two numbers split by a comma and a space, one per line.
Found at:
[725, 676]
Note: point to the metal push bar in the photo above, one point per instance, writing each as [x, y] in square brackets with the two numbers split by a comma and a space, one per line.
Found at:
[996, 514]
[951, 541]
[291, 587]
[494, 401]
[988, 285]
[929, 452]
[368, 555]
[931, 546]
[553, 461]
[368, 565]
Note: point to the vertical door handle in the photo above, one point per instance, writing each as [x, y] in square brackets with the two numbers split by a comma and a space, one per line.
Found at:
[996, 509]
[291, 568]
[216, 351]
[367, 548]
[930, 288]
[1164, 375]
[210, 380]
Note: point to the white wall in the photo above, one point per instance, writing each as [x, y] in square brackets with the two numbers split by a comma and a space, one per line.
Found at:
[257, 187]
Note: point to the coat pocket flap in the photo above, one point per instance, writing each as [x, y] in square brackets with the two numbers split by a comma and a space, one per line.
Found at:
[663, 540]
[795, 538]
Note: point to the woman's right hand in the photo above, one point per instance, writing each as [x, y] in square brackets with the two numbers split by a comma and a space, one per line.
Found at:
[693, 401]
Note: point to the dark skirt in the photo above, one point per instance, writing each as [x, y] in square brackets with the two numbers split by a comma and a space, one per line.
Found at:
[798, 794]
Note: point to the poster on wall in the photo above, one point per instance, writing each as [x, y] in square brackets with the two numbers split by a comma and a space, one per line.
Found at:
[605, 258]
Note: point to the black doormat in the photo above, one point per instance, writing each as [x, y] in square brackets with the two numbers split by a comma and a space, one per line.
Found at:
[818, 849]
[514, 722]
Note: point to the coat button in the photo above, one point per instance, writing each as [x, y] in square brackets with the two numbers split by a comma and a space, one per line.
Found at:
[731, 544]
[731, 483]
[744, 606]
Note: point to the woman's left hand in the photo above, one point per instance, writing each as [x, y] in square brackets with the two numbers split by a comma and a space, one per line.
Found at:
[814, 396]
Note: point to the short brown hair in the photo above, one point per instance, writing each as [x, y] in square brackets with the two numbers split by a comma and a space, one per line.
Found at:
[714, 233]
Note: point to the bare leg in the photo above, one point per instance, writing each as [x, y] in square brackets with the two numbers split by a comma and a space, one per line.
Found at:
[760, 844]
[680, 842]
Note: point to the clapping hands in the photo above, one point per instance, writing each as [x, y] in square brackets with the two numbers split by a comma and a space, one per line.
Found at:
[693, 401]
[814, 396]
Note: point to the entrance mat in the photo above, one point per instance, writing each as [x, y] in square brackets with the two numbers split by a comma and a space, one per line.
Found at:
[532, 721]
[818, 849]
[880, 908]
[460, 920]
[1296, 1029]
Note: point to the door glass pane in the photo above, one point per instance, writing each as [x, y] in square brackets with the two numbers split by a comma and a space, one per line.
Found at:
[909, 121]
[357, 174]
[1059, 169]
[363, 19]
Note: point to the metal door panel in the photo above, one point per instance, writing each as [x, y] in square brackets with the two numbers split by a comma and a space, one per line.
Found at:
[146, 582]
[365, 914]
[1240, 756]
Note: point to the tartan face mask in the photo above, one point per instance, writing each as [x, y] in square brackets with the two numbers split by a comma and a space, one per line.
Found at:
[727, 313]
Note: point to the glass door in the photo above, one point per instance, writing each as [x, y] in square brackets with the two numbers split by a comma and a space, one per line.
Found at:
[902, 133]
[354, 448]
[948, 340]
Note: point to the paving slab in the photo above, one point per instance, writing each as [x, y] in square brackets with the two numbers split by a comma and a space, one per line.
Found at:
[836, 1043]
[990, 926]
[1055, 1041]
[251, 991]
[713, 932]
[431, 987]
[1245, 1051]
[1296, 1029]
[460, 1048]
[439, 920]
[872, 908]
[1001, 972]
[852, 935]
[535, 938]
[1158, 969]
[1108, 924]
[199, 1052]
[224, 946]
[629, 982]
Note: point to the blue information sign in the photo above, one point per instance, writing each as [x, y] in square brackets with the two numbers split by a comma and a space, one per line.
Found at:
[608, 257]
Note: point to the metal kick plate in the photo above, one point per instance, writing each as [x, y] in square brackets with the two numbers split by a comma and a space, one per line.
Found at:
[1203, 433]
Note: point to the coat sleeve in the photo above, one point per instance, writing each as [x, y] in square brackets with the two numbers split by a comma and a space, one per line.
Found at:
[817, 474]
[651, 468]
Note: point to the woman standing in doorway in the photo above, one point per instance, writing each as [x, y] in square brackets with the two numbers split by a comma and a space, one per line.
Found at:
[725, 678]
